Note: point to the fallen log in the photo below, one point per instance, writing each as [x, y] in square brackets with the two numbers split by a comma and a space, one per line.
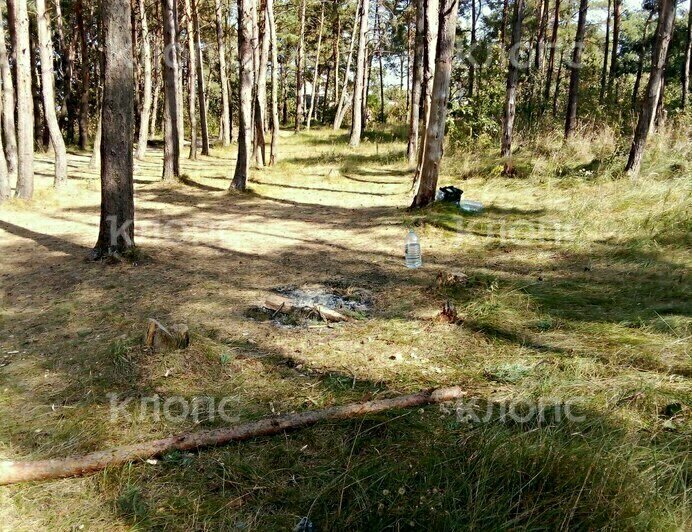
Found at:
[283, 305]
[15, 472]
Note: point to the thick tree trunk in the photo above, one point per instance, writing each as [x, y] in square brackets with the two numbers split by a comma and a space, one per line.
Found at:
[435, 132]
[145, 112]
[201, 94]
[688, 58]
[640, 64]
[575, 69]
[45, 43]
[15, 472]
[553, 51]
[606, 50]
[653, 88]
[316, 77]
[431, 38]
[342, 105]
[84, 96]
[8, 106]
[171, 135]
[300, 66]
[416, 86]
[617, 13]
[357, 107]
[223, 77]
[512, 81]
[116, 229]
[25, 103]
[191, 80]
[275, 82]
[245, 60]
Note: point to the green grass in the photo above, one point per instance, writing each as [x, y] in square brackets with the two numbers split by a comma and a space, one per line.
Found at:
[578, 289]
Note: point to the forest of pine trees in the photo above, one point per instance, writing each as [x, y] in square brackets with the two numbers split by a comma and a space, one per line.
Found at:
[207, 73]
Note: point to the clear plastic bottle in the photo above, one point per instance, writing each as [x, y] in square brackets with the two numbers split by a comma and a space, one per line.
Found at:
[412, 250]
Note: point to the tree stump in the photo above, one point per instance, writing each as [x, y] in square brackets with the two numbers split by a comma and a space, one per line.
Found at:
[451, 279]
[159, 337]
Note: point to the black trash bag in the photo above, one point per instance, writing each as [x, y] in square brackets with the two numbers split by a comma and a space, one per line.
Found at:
[449, 194]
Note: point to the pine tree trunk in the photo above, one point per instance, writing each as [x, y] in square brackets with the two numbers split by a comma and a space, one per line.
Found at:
[84, 89]
[553, 50]
[201, 94]
[688, 58]
[472, 63]
[617, 13]
[171, 135]
[25, 103]
[606, 50]
[245, 60]
[8, 107]
[512, 81]
[416, 85]
[45, 43]
[653, 88]
[191, 80]
[259, 148]
[223, 78]
[315, 77]
[540, 40]
[575, 68]
[337, 50]
[431, 38]
[300, 66]
[145, 113]
[275, 82]
[116, 229]
[435, 132]
[342, 105]
[357, 106]
[503, 24]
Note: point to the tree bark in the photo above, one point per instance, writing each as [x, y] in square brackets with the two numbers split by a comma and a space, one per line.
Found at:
[259, 147]
[688, 58]
[653, 89]
[300, 66]
[245, 60]
[357, 107]
[342, 105]
[416, 86]
[431, 38]
[315, 77]
[85, 81]
[8, 106]
[606, 51]
[116, 228]
[471, 63]
[275, 82]
[5, 186]
[575, 68]
[503, 23]
[45, 43]
[223, 77]
[201, 94]
[553, 50]
[171, 134]
[25, 103]
[512, 81]
[145, 113]
[191, 80]
[542, 20]
[435, 132]
[15, 472]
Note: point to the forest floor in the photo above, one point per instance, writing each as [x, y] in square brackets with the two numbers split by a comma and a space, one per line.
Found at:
[578, 292]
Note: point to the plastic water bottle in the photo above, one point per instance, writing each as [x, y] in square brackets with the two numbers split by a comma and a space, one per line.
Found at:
[412, 251]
